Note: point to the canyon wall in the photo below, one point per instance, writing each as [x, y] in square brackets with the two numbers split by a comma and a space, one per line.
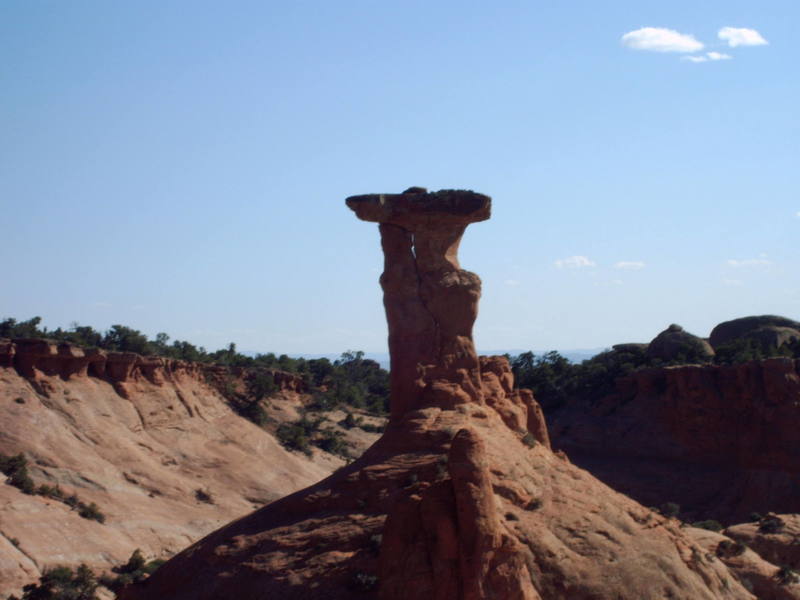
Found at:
[719, 440]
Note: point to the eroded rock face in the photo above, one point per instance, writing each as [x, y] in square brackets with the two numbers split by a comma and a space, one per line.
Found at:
[721, 441]
[769, 329]
[462, 497]
[431, 302]
[674, 342]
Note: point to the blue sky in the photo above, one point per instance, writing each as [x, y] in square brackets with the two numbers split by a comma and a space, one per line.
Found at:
[182, 166]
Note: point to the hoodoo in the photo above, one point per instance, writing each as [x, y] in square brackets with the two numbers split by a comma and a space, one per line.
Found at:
[431, 302]
[462, 497]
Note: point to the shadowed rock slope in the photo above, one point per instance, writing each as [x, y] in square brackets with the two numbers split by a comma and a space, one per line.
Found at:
[721, 441]
[462, 497]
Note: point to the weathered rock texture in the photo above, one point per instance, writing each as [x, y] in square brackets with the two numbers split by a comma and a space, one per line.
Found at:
[138, 436]
[674, 342]
[462, 497]
[779, 544]
[719, 440]
[758, 575]
[769, 330]
[431, 303]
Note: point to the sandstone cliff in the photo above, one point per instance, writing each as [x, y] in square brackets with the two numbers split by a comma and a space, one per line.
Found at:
[462, 497]
[719, 440]
[151, 441]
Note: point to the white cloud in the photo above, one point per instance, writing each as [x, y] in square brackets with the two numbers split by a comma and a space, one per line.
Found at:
[797, 214]
[660, 39]
[511, 282]
[749, 262]
[574, 262]
[718, 56]
[741, 36]
[707, 57]
[629, 265]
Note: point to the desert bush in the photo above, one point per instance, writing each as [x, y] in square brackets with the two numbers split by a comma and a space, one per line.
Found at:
[61, 583]
[727, 548]
[331, 441]
[135, 570]
[297, 435]
[770, 524]
[91, 511]
[16, 469]
[670, 509]
[203, 496]
[709, 524]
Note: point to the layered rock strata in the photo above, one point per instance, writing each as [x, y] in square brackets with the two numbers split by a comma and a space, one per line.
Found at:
[719, 440]
[40, 359]
[462, 497]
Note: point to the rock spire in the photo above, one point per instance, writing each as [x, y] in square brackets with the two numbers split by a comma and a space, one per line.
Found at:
[431, 302]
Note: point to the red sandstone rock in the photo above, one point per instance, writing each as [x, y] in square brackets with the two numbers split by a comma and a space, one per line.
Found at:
[779, 546]
[141, 460]
[431, 303]
[719, 440]
[7, 351]
[454, 501]
[756, 574]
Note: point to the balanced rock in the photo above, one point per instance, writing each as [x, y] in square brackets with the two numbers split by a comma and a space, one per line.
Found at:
[461, 498]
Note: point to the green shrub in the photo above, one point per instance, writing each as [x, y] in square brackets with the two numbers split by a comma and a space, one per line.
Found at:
[295, 436]
[261, 385]
[770, 524]
[529, 440]
[91, 511]
[203, 496]
[61, 583]
[16, 469]
[135, 570]
[670, 509]
[728, 548]
[709, 524]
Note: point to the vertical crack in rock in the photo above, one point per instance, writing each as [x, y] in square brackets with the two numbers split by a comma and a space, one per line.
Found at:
[431, 303]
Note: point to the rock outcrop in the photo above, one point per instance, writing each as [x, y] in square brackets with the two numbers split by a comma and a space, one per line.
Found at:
[461, 497]
[767, 330]
[719, 440]
[775, 538]
[674, 343]
[41, 359]
[761, 577]
[137, 436]
[431, 303]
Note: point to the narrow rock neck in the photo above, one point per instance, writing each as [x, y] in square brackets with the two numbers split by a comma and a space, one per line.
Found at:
[431, 305]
